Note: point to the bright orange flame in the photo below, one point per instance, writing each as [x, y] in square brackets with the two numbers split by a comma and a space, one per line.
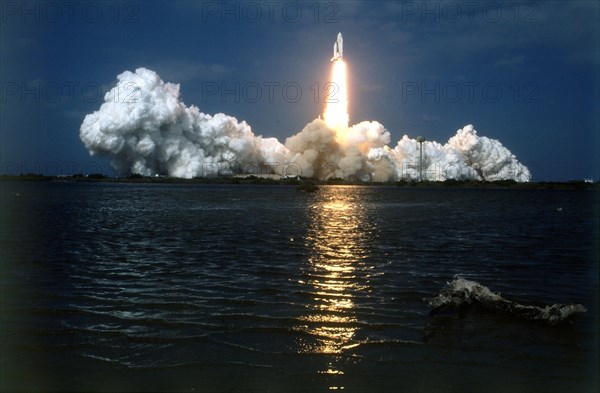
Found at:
[336, 110]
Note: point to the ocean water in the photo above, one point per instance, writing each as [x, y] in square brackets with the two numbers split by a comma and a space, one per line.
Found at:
[138, 287]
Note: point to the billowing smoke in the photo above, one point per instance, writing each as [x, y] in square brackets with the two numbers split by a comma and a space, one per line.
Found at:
[465, 156]
[320, 153]
[149, 130]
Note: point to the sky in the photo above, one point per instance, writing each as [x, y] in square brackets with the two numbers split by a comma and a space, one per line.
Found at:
[524, 73]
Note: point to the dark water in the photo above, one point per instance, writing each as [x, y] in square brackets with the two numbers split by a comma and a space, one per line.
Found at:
[263, 288]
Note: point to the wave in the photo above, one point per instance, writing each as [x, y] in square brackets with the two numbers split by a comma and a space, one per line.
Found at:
[462, 293]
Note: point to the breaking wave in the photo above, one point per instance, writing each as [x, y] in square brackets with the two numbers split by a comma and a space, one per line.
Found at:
[462, 293]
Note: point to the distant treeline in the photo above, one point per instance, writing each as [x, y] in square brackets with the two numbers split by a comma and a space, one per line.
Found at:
[136, 178]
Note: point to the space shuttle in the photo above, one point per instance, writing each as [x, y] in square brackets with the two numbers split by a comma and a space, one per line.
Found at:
[338, 48]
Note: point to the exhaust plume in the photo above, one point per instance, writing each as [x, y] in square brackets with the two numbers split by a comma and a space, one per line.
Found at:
[150, 131]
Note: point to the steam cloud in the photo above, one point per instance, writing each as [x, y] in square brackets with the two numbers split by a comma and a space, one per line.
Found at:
[147, 129]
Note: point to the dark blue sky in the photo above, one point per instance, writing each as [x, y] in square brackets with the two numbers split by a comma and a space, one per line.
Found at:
[525, 73]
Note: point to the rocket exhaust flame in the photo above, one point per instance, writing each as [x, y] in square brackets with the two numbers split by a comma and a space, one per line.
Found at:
[336, 111]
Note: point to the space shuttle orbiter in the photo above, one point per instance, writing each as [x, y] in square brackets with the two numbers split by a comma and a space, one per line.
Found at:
[338, 48]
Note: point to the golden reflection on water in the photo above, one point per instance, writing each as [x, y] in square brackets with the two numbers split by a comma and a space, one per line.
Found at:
[336, 272]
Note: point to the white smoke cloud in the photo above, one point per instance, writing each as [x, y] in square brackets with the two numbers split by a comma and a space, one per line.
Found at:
[151, 131]
[488, 157]
[317, 149]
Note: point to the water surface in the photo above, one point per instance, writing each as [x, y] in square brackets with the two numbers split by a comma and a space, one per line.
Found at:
[256, 288]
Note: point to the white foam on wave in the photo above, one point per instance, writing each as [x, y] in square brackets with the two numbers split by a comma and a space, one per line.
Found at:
[461, 293]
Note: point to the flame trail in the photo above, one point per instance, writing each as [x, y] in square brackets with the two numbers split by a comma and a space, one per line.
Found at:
[336, 110]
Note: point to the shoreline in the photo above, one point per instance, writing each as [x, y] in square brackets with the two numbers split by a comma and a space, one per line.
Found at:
[97, 178]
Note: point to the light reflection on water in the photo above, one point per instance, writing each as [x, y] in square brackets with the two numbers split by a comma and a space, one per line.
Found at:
[337, 271]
